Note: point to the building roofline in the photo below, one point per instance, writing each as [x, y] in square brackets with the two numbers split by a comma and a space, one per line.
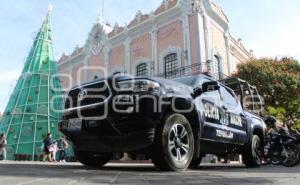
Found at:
[241, 46]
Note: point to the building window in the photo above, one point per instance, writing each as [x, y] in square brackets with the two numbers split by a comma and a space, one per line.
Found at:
[171, 62]
[217, 70]
[141, 70]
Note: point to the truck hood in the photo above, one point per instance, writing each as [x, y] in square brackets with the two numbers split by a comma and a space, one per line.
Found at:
[171, 86]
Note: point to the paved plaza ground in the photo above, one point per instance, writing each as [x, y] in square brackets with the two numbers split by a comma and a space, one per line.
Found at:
[25, 173]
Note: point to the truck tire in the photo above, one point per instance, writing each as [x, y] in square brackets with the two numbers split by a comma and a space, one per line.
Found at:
[196, 162]
[93, 159]
[253, 155]
[173, 145]
[292, 158]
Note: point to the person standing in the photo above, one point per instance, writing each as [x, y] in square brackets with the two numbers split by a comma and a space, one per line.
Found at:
[47, 144]
[3, 144]
[63, 146]
[53, 150]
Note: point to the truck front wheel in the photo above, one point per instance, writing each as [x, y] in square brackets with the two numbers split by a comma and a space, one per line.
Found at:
[173, 145]
[93, 159]
[196, 162]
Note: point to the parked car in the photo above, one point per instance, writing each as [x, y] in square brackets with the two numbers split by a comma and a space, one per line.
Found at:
[174, 122]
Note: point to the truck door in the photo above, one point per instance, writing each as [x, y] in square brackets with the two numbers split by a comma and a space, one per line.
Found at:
[232, 118]
[209, 106]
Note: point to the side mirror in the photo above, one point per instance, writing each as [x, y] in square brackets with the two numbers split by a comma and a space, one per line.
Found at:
[210, 86]
[197, 92]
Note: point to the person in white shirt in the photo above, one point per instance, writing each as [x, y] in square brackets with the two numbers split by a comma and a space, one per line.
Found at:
[3, 144]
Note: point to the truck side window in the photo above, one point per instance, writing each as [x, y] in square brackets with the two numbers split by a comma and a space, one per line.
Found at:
[229, 100]
[212, 96]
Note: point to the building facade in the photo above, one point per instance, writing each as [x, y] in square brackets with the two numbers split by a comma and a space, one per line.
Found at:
[178, 33]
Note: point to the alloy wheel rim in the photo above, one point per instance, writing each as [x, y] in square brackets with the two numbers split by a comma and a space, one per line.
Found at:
[257, 151]
[290, 158]
[178, 142]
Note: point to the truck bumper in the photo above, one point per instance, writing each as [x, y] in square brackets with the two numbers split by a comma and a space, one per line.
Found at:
[125, 143]
[117, 132]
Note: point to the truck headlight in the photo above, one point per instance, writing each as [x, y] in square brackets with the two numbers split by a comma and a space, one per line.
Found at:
[138, 85]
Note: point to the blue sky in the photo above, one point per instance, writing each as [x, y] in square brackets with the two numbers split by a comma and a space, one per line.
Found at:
[269, 27]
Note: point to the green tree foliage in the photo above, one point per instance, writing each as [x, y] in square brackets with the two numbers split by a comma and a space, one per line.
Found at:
[278, 81]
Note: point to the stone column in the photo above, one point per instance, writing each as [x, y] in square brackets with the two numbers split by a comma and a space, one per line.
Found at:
[206, 35]
[204, 32]
[106, 61]
[200, 36]
[73, 81]
[155, 61]
[86, 69]
[228, 52]
[127, 65]
[186, 39]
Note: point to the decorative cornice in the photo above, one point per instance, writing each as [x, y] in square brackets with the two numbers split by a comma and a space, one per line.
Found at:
[138, 16]
[239, 45]
[198, 6]
[186, 6]
[152, 17]
[116, 28]
[166, 4]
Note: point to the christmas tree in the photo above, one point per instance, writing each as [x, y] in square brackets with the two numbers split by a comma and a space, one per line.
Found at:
[34, 108]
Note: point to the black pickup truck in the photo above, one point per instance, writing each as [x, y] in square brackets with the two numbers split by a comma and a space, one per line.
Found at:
[173, 122]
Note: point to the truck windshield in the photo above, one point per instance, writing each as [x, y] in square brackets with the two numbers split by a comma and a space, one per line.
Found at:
[190, 81]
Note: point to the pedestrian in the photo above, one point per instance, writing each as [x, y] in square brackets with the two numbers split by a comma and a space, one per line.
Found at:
[47, 144]
[53, 150]
[3, 144]
[63, 146]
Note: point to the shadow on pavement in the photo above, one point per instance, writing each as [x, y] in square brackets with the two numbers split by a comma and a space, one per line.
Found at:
[239, 168]
[128, 173]
[56, 168]
[6, 168]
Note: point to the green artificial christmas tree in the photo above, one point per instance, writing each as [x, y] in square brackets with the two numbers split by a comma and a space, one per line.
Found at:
[34, 108]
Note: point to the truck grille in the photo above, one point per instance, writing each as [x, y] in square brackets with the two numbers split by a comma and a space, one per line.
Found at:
[89, 94]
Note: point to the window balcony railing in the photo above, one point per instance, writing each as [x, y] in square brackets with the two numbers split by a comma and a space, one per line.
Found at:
[194, 69]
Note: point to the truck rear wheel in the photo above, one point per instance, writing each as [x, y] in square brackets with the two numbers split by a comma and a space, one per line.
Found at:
[93, 159]
[252, 157]
[173, 145]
